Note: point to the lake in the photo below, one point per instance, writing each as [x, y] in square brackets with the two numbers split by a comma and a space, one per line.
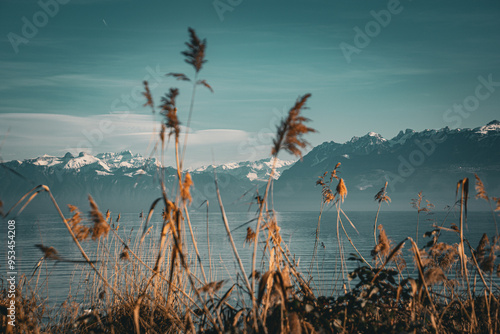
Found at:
[298, 229]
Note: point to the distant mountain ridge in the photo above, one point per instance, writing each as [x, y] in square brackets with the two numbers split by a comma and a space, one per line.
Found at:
[430, 160]
[125, 181]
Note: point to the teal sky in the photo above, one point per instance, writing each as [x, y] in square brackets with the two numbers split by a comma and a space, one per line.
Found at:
[85, 63]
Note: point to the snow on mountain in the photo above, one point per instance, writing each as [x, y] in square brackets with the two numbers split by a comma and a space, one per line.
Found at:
[83, 160]
[101, 173]
[125, 181]
[493, 126]
[252, 170]
[47, 160]
[130, 164]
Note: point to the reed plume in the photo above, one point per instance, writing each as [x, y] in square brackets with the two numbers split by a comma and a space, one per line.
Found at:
[416, 203]
[384, 245]
[149, 97]
[212, 287]
[250, 237]
[195, 54]
[169, 110]
[185, 193]
[290, 131]
[434, 275]
[49, 253]
[380, 197]
[497, 203]
[326, 190]
[341, 190]
[101, 227]
[480, 189]
[81, 232]
[124, 255]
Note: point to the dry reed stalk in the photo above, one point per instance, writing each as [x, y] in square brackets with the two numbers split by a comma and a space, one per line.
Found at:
[293, 268]
[381, 196]
[195, 245]
[352, 243]
[195, 56]
[463, 186]
[339, 242]
[420, 270]
[327, 197]
[417, 204]
[208, 247]
[230, 236]
[256, 240]
[288, 137]
[129, 251]
[478, 267]
[177, 251]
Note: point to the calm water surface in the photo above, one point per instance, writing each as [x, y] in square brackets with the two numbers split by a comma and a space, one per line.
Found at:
[298, 231]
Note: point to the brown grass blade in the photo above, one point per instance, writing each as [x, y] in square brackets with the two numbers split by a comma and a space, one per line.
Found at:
[178, 76]
[204, 83]
[22, 199]
[150, 214]
[28, 201]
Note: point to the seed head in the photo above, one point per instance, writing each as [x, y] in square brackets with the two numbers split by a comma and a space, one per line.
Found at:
[195, 54]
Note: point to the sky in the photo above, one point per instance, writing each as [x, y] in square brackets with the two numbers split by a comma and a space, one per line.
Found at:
[71, 72]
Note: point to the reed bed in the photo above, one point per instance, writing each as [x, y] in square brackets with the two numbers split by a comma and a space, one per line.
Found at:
[154, 281]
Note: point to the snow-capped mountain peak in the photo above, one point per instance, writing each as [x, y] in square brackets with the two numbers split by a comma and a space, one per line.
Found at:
[46, 160]
[82, 160]
[376, 135]
[493, 126]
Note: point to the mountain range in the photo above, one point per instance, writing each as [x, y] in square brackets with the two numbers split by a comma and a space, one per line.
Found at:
[431, 161]
[126, 182]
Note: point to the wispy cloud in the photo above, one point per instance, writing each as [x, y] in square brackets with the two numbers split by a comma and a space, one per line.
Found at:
[31, 135]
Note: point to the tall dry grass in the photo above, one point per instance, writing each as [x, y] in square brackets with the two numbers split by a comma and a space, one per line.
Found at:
[157, 282]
